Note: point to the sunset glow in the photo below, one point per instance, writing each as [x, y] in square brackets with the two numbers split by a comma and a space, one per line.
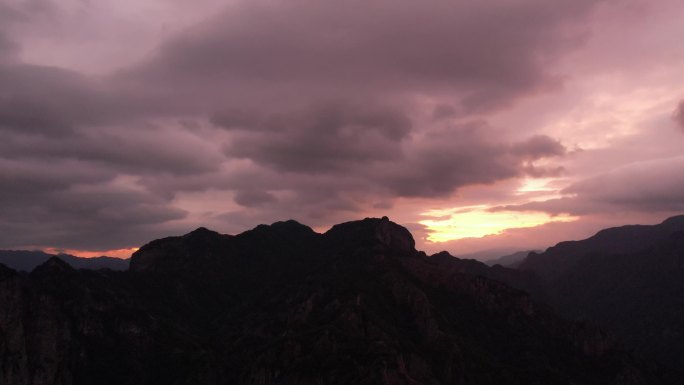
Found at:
[341, 192]
[478, 125]
[477, 221]
[118, 253]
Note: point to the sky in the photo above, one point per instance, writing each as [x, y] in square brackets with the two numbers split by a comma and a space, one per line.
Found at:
[484, 127]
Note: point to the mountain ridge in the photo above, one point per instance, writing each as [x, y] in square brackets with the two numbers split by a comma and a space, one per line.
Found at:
[558, 259]
[27, 260]
[629, 279]
[282, 304]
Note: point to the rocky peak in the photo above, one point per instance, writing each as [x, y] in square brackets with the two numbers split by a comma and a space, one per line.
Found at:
[204, 249]
[292, 225]
[54, 265]
[442, 255]
[201, 232]
[676, 223]
[175, 254]
[289, 228]
[270, 306]
[374, 232]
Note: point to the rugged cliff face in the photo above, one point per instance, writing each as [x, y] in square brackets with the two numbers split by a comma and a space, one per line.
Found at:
[282, 304]
[629, 279]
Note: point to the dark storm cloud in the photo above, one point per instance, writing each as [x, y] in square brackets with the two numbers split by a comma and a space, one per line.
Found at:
[7, 47]
[128, 149]
[65, 142]
[10, 13]
[327, 137]
[660, 188]
[238, 119]
[303, 109]
[51, 101]
[482, 54]
[679, 115]
[72, 203]
[538, 146]
[21, 179]
[23, 11]
[326, 157]
[87, 219]
[45, 100]
[329, 117]
[81, 188]
[444, 161]
[253, 198]
[443, 111]
[568, 205]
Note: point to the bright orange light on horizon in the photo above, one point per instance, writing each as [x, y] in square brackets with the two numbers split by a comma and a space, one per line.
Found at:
[116, 253]
[477, 222]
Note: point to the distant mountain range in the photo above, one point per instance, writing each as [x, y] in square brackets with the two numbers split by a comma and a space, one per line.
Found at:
[510, 260]
[281, 304]
[24, 260]
[629, 279]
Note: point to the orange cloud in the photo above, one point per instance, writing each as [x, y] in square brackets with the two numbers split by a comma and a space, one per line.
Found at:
[116, 253]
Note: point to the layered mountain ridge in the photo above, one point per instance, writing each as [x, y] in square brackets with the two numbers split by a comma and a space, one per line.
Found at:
[629, 279]
[27, 260]
[282, 304]
[563, 257]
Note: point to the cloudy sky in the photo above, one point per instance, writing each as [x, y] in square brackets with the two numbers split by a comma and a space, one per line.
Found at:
[490, 126]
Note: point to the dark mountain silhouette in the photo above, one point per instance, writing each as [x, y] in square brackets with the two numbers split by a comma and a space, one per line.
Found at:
[510, 260]
[282, 304]
[24, 260]
[630, 279]
[523, 280]
[560, 259]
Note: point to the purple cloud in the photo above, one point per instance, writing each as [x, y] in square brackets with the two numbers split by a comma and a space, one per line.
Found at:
[482, 55]
[679, 115]
[660, 188]
[315, 110]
